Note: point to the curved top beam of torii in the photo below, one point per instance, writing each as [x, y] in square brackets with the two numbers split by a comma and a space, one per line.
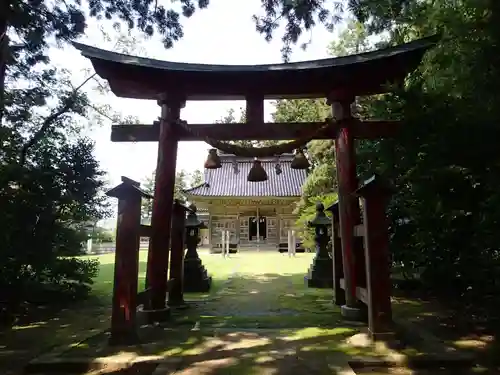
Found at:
[360, 74]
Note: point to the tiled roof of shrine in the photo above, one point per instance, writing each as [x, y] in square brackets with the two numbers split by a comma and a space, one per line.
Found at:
[231, 179]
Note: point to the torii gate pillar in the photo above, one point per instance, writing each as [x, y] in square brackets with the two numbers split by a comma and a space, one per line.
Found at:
[161, 218]
[349, 210]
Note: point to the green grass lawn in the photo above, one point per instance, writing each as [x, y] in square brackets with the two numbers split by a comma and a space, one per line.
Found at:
[258, 316]
[21, 343]
[218, 267]
[251, 290]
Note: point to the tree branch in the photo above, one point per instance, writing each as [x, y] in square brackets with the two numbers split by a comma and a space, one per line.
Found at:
[103, 114]
[49, 120]
[43, 129]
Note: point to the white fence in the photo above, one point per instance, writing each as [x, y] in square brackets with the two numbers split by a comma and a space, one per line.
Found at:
[105, 248]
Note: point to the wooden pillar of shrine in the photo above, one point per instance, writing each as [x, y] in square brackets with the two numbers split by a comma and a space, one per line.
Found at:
[349, 211]
[375, 196]
[161, 218]
[124, 303]
[176, 293]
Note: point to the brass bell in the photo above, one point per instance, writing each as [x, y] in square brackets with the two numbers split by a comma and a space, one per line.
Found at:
[299, 160]
[213, 160]
[257, 172]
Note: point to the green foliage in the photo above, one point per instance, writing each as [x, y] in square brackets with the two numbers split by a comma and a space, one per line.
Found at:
[443, 162]
[196, 178]
[67, 20]
[50, 183]
[446, 188]
[148, 185]
[299, 17]
[308, 213]
[64, 279]
[353, 39]
[45, 204]
[51, 186]
[180, 185]
[321, 180]
[305, 110]
[230, 118]
[302, 16]
[100, 235]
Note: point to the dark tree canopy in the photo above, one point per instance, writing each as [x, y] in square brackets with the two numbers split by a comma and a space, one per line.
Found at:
[66, 20]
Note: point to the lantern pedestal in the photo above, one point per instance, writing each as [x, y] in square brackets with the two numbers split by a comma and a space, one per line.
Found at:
[196, 278]
[320, 273]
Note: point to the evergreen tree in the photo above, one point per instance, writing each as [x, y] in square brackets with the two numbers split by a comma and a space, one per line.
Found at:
[321, 182]
[230, 118]
[148, 185]
[196, 178]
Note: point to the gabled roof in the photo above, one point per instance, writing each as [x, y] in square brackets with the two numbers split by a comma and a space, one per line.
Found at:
[231, 179]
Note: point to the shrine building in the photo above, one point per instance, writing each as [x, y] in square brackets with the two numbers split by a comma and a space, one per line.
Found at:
[256, 214]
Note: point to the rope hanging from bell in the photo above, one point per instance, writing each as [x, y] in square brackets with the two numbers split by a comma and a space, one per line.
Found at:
[257, 172]
[299, 160]
[213, 160]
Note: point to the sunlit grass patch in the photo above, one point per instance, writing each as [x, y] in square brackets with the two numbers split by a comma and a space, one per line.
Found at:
[218, 267]
[251, 348]
[310, 332]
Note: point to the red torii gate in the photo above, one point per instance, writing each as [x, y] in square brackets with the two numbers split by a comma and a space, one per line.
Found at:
[340, 80]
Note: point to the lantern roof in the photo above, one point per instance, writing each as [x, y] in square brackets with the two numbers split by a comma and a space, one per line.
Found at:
[320, 218]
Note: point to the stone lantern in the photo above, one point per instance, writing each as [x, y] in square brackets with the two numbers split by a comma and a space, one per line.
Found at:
[196, 278]
[320, 273]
